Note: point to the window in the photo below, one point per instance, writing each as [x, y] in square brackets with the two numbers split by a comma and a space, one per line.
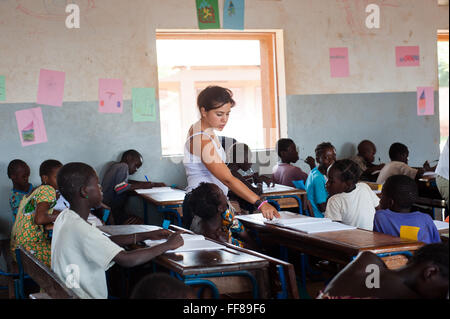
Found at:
[244, 62]
[443, 85]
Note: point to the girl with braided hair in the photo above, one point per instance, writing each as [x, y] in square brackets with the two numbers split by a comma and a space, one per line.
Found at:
[350, 202]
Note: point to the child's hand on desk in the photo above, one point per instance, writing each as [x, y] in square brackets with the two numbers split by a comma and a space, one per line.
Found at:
[157, 185]
[159, 234]
[311, 162]
[264, 179]
[175, 240]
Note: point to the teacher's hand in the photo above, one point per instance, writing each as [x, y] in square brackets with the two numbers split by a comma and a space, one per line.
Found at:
[268, 211]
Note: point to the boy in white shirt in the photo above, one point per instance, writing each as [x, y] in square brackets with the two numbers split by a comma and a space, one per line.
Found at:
[350, 202]
[81, 253]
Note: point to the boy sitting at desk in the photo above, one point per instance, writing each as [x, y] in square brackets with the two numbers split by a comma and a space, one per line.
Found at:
[117, 187]
[398, 153]
[365, 159]
[395, 217]
[284, 172]
[239, 160]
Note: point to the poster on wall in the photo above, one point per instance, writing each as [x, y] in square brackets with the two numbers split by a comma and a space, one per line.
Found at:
[407, 56]
[425, 101]
[110, 96]
[144, 104]
[2, 88]
[233, 14]
[51, 87]
[339, 65]
[31, 127]
[208, 14]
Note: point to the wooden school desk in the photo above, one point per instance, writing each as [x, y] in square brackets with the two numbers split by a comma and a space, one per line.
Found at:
[169, 201]
[226, 270]
[285, 196]
[336, 246]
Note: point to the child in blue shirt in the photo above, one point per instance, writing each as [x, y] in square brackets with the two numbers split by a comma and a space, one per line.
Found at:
[397, 196]
[19, 173]
[315, 183]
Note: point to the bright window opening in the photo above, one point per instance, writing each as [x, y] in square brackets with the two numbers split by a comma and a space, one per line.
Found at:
[241, 62]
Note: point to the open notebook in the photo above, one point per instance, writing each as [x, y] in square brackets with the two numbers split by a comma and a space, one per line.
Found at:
[311, 228]
[288, 218]
[191, 243]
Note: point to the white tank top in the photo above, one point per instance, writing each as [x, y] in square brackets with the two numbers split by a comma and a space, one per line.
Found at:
[196, 171]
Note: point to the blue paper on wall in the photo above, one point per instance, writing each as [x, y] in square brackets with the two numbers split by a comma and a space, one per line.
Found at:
[233, 14]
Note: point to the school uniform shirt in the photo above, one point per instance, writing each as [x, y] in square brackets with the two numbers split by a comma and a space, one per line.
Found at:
[395, 168]
[442, 166]
[315, 190]
[415, 226]
[356, 208]
[81, 254]
[115, 182]
[284, 174]
[15, 197]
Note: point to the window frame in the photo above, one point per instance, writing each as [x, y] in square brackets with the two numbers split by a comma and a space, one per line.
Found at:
[273, 88]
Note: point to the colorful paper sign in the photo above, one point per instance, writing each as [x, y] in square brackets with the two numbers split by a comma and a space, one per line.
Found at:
[233, 14]
[144, 104]
[208, 14]
[51, 87]
[110, 96]
[407, 56]
[2, 88]
[30, 124]
[339, 65]
[425, 100]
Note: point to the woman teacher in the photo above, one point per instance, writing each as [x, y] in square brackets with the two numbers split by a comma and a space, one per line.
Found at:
[204, 156]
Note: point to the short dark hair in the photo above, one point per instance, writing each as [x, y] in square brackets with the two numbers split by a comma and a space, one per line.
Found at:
[348, 170]
[283, 144]
[204, 200]
[160, 286]
[131, 154]
[401, 189]
[322, 147]
[48, 166]
[71, 177]
[237, 152]
[14, 165]
[214, 97]
[436, 253]
[397, 150]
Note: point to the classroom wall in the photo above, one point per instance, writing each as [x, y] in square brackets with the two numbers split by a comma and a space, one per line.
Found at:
[117, 40]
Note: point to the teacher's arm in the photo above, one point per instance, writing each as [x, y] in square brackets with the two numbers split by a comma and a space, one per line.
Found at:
[217, 167]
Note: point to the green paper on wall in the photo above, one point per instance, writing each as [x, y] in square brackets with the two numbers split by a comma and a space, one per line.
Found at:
[144, 104]
[208, 14]
[2, 88]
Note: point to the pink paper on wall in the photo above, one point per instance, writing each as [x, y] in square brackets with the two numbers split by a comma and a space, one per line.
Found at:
[407, 56]
[51, 87]
[425, 100]
[339, 62]
[30, 124]
[110, 98]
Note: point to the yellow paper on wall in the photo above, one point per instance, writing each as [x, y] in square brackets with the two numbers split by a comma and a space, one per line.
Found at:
[409, 232]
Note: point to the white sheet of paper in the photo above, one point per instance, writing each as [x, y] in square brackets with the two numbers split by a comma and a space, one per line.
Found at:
[153, 190]
[429, 174]
[191, 243]
[440, 224]
[311, 228]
